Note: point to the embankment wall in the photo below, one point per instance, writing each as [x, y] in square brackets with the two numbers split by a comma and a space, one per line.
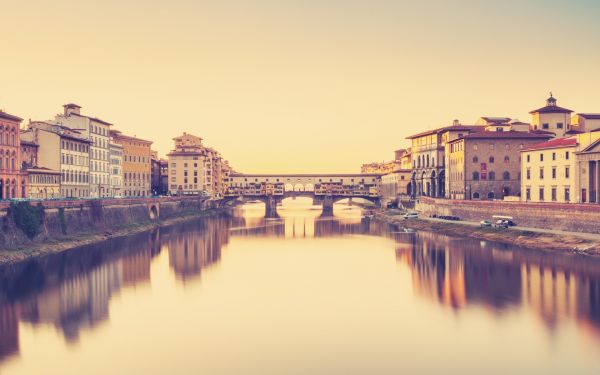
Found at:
[559, 216]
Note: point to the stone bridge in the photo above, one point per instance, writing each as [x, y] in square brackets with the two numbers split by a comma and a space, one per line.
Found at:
[325, 189]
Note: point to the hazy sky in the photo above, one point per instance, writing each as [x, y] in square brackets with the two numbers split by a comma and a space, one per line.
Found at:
[296, 86]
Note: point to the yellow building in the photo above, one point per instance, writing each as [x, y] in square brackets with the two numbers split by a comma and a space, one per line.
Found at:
[136, 164]
[551, 170]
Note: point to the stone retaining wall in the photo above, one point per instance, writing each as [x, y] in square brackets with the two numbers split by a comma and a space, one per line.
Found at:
[68, 218]
[560, 216]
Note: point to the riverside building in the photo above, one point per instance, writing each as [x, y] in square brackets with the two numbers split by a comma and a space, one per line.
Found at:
[97, 132]
[136, 164]
[12, 180]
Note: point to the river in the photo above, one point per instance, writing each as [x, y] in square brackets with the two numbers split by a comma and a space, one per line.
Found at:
[303, 294]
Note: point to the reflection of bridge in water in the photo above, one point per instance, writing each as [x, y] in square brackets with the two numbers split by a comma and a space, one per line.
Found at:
[325, 189]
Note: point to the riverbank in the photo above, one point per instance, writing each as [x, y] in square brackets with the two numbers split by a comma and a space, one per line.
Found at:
[54, 246]
[574, 243]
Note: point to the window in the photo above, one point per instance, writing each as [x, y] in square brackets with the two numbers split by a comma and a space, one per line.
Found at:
[506, 176]
[490, 195]
[541, 157]
[491, 159]
[541, 173]
[567, 194]
[554, 156]
[541, 194]
[528, 194]
[554, 172]
[475, 147]
[492, 176]
[475, 176]
[491, 146]
[528, 158]
[553, 194]
[475, 195]
[475, 159]
[567, 172]
[506, 159]
[559, 125]
[545, 126]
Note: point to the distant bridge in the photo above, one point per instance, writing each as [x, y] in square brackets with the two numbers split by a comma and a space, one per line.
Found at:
[325, 189]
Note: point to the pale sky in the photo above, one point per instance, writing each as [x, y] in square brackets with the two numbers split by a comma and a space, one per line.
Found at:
[296, 86]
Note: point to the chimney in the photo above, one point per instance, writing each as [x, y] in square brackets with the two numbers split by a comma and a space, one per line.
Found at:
[456, 122]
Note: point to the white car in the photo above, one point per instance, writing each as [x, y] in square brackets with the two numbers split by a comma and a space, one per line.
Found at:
[411, 215]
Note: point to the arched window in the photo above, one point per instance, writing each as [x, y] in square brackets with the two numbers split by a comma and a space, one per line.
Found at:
[492, 176]
[475, 195]
[475, 159]
[490, 195]
[491, 159]
[506, 159]
[475, 176]
[506, 176]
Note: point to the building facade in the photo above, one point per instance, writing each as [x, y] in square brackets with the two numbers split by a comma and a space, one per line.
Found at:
[552, 118]
[136, 164]
[116, 169]
[188, 166]
[12, 180]
[487, 165]
[64, 150]
[428, 158]
[588, 168]
[97, 132]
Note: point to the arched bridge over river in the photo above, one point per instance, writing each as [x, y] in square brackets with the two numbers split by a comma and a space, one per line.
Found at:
[325, 189]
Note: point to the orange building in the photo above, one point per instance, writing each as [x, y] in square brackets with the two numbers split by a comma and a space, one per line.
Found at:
[12, 182]
[136, 164]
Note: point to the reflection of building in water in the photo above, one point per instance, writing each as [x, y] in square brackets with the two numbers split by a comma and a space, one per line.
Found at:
[555, 293]
[9, 331]
[76, 302]
[459, 272]
[189, 252]
[435, 273]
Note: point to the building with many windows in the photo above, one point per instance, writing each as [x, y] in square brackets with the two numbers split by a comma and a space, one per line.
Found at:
[63, 150]
[12, 180]
[136, 164]
[116, 169]
[96, 131]
[428, 158]
[486, 165]
[558, 170]
[188, 167]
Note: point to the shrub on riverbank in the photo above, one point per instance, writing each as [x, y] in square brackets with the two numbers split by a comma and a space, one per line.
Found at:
[27, 218]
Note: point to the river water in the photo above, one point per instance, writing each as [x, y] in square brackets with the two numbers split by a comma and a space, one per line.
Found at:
[304, 294]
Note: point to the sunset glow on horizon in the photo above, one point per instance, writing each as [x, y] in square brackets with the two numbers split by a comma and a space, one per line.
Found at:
[296, 86]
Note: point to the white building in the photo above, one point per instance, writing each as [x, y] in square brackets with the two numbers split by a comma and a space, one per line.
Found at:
[97, 131]
[551, 171]
[116, 169]
[62, 149]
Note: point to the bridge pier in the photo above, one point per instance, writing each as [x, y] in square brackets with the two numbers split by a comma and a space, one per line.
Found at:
[271, 207]
[327, 206]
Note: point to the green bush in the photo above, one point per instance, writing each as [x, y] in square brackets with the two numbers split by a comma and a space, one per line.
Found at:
[27, 217]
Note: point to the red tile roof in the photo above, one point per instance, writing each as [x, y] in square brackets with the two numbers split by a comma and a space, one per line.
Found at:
[472, 128]
[551, 109]
[509, 134]
[555, 143]
[6, 116]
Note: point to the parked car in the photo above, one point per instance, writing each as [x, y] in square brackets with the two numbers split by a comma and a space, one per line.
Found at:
[485, 223]
[501, 224]
[448, 217]
[411, 215]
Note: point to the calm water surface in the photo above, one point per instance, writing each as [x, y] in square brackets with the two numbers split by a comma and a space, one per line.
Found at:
[301, 295]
